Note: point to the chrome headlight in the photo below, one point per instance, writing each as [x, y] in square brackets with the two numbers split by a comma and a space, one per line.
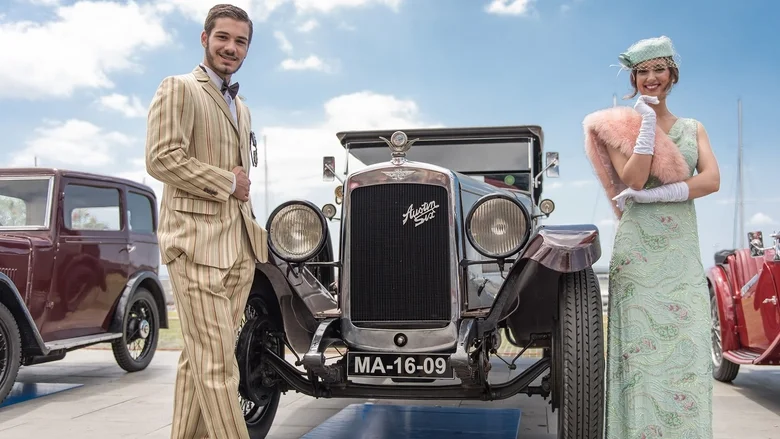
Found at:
[498, 226]
[296, 231]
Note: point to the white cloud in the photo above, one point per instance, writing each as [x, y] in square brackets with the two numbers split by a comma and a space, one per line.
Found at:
[308, 25]
[330, 5]
[284, 43]
[509, 7]
[74, 143]
[260, 10]
[43, 2]
[79, 48]
[312, 62]
[761, 219]
[295, 154]
[128, 106]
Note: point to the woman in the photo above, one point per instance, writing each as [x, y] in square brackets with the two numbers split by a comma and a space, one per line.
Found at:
[658, 381]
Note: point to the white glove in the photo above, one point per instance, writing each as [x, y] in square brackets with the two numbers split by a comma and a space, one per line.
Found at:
[668, 193]
[645, 143]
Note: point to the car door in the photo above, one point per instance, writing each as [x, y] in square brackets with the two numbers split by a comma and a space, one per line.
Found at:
[142, 228]
[92, 261]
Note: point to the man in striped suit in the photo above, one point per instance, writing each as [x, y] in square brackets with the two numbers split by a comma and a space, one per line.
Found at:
[198, 145]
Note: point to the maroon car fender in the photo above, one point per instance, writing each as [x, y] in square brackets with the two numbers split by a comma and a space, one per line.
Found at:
[721, 287]
[32, 343]
[150, 281]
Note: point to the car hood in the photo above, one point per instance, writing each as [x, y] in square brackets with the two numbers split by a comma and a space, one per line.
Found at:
[11, 242]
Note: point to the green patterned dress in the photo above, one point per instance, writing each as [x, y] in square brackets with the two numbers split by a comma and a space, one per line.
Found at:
[659, 369]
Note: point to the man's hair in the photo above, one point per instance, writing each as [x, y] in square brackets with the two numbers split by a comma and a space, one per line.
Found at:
[226, 11]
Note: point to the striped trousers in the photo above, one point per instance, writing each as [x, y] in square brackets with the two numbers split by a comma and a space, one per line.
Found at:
[210, 302]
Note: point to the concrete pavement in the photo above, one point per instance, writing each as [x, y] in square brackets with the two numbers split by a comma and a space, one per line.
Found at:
[114, 404]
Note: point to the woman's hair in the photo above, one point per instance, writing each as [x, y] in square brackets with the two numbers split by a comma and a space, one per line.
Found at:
[674, 77]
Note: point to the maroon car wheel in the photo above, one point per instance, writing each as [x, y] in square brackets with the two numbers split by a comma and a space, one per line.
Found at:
[141, 328]
[10, 351]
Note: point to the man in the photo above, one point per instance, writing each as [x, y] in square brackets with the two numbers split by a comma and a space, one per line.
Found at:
[198, 144]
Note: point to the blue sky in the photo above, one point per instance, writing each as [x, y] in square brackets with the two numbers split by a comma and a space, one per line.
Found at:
[78, 77]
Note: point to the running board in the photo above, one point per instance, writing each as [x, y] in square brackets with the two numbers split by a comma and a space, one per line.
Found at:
[70, 343]
[741, 356]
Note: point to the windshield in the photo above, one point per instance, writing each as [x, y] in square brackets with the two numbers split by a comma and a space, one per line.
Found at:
[501, 163]
[24, 202]
[518, 181]
[488, 156]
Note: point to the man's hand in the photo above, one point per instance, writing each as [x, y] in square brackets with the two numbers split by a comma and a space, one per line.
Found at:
[242, 184]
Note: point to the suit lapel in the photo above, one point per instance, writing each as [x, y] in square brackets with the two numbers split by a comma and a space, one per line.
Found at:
[243, 141]
[211, 89]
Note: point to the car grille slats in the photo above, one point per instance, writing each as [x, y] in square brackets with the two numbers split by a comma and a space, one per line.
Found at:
[399, 272]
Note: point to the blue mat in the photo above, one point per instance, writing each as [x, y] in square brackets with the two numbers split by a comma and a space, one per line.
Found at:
[380, 421]
[21, 392]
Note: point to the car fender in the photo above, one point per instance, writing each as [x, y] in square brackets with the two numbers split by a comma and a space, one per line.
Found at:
[32, 342]
[528, 296]
[720, 286]
[298, 321]
[565, 249]
[151, 282]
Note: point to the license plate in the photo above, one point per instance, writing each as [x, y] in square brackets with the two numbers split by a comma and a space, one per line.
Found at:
[390, 365]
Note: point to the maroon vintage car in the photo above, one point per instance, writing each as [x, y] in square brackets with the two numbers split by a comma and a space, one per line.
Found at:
[744, 293]
[78, 266]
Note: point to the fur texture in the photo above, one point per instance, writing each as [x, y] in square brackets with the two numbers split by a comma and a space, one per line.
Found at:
[618, 127]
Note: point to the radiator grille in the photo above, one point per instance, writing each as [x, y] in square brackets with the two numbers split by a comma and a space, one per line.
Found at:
[10, 272]
[399, 272]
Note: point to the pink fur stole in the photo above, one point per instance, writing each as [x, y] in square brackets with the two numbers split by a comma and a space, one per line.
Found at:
[618, 127]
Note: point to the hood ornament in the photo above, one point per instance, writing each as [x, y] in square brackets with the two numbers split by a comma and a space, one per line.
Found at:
[399, 143]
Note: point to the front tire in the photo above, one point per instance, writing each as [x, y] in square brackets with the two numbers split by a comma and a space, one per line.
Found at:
[258, 402]
[10, 351]
[578, 357]
[723, 370]
[140, 328]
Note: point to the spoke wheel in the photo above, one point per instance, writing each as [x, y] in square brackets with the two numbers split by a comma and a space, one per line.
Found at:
[722, 369]
[258, 393]
[10, 351]
[141, 329]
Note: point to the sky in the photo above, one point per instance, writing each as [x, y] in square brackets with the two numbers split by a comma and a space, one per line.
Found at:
[78, 76]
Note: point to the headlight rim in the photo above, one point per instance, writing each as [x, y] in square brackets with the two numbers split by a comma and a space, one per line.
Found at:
[526, 235]
[320, 245]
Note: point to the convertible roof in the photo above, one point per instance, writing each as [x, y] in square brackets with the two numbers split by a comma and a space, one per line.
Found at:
[368, 138]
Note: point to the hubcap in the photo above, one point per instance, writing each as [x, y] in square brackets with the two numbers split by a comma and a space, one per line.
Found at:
[144, 328]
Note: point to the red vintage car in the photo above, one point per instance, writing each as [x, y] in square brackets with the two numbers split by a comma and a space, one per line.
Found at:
[744, 290]
[78, 266]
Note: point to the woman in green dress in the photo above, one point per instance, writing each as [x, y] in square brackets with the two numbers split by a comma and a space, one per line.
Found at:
[653, 165]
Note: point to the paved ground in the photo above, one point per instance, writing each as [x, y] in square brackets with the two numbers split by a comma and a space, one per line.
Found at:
[113, 404]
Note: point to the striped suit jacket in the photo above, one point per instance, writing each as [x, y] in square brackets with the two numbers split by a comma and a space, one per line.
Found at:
[192, 145]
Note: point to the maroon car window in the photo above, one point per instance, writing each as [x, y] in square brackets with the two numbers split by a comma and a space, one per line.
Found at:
[23, 201]
[91, 208]
[140, 218]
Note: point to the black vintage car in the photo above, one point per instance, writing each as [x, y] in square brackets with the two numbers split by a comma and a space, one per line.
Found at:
[440, 254]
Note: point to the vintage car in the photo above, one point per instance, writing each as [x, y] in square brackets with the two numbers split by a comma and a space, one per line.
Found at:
[78, 266]
[440, 256]
[744, 296]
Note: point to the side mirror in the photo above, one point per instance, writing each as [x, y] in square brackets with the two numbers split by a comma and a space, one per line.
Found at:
[328, 168]
[553, 171]
[756, 243]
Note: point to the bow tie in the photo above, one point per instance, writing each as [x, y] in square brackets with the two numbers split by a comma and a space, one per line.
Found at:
[232, 89]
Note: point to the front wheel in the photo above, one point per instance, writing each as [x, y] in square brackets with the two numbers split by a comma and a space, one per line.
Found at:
[723, 370]
[259, 394]
[140, 333]
[10, 351]
[578, 357]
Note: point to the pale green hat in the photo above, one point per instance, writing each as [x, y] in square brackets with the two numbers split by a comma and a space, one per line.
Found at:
[646, 49]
